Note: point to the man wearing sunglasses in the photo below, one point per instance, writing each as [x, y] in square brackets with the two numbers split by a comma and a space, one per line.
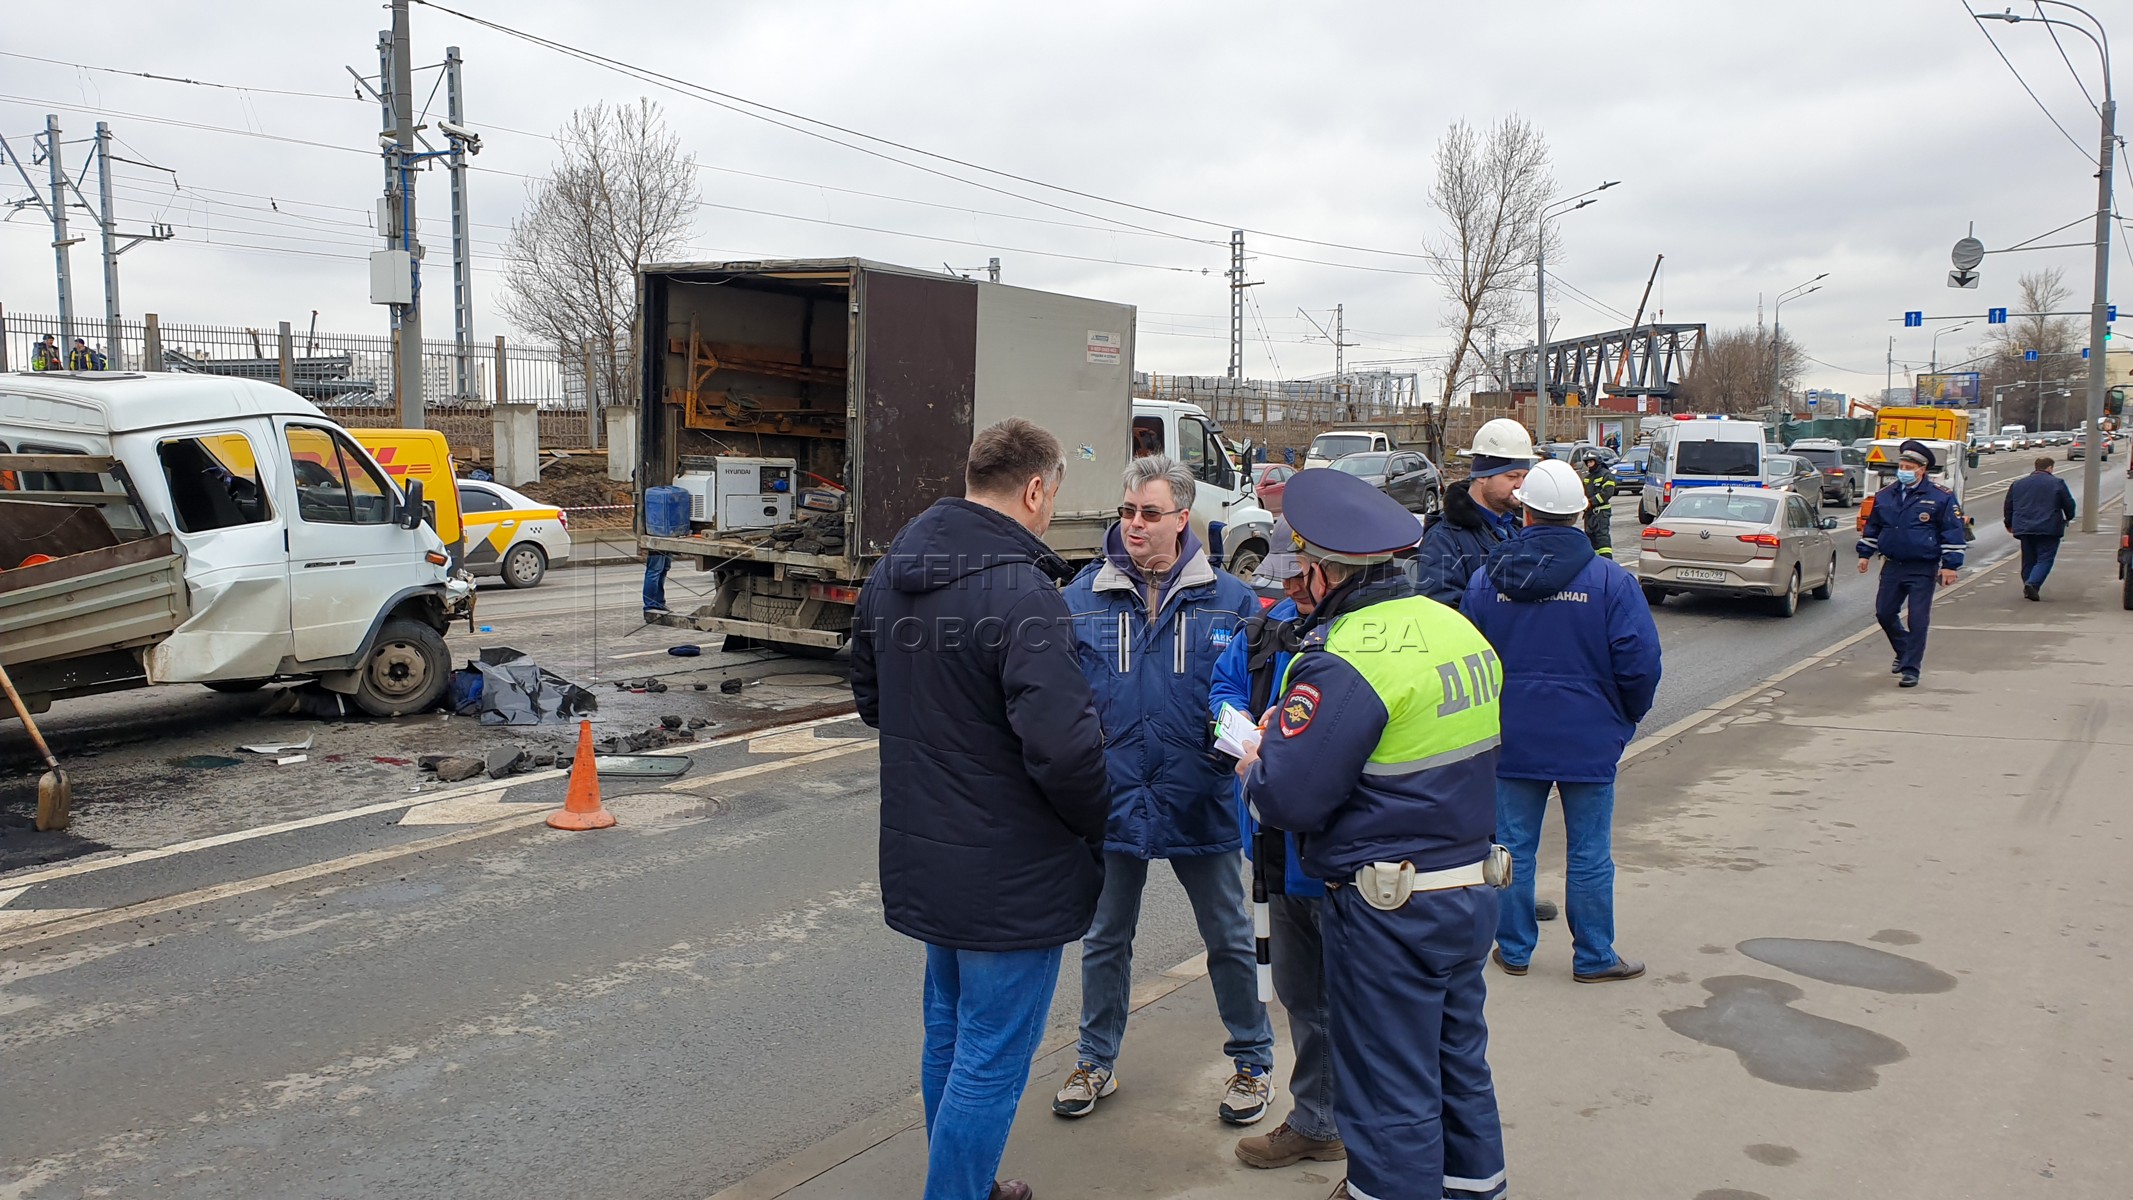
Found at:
[1151, 620]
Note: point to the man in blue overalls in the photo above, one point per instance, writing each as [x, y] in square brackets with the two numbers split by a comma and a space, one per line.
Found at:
[1917, 527]
[1381, 754]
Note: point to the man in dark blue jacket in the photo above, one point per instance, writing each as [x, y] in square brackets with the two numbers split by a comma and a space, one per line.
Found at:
[1478, 514]
[1248, 678]
[1150, 620]
[993, 798]
[1580, 668]
[2036, 512]
[1917, 527]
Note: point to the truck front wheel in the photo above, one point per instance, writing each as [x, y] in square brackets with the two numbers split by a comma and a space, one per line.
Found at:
[407, 671]
[1247, 559]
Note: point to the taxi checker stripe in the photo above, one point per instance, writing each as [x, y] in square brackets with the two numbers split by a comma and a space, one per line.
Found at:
[1435, 760]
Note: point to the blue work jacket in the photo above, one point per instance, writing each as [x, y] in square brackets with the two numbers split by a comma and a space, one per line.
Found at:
[1171, 793]
[1580, 654]
[1232, 685]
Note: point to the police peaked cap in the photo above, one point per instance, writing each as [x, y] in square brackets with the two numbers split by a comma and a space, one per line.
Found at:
[1913, 448]
[1339, 518]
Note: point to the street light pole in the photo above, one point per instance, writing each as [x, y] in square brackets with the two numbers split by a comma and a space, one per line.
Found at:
[1777, 345]
[1933, 363]
[2092, 437]
[1542, 392]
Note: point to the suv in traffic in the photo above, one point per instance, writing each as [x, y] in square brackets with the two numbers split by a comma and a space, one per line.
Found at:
[1843, 468]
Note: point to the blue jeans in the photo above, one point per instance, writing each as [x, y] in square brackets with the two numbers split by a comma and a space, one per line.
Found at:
[985, 1013]
[2038, 554]
[1300, 983]
[1589, 900]
[1215, 885]
[655, 581]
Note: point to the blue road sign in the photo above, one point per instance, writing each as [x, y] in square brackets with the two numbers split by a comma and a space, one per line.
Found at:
[2084, 352]
[2110, 312]
[2029, 356]
[1995, 316]
[1914, 318]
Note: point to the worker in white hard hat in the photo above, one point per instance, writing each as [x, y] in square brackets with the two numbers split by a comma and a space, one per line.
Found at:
[1580, 667]
[1479, 513]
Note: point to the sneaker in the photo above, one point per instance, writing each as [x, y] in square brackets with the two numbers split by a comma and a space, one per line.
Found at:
[2029, 592]
[1244, 1101]
[1910, 679]
[1084, 1087]
[1285, 1146]
[1624, 968]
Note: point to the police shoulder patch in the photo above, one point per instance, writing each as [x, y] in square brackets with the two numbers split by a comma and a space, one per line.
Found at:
[1297, 709]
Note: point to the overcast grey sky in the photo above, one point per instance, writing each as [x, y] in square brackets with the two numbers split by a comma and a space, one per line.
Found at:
[1757, 145]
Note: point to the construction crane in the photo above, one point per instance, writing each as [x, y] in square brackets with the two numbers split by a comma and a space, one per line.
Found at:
[1623, 361]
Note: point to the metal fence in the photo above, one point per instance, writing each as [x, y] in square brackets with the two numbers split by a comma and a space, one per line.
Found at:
[344, 370]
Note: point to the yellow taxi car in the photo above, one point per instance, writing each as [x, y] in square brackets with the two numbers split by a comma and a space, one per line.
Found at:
[510, 534]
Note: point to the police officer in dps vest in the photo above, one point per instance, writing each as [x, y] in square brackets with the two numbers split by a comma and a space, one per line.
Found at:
[1382, 754]
[1917, 527]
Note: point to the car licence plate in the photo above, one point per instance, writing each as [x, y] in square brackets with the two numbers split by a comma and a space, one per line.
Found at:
[1690, 575]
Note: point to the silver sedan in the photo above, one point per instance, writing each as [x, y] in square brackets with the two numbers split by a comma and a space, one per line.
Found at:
[1725, 541]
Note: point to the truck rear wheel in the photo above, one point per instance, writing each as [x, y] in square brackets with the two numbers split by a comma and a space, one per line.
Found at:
[407, 671]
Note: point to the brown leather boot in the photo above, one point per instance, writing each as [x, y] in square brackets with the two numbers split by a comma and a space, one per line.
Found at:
[1285, 1146]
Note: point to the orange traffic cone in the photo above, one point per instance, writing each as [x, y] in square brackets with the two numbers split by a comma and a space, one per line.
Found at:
[581, 804]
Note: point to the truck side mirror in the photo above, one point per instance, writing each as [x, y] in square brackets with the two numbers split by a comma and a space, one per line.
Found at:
[411, 509]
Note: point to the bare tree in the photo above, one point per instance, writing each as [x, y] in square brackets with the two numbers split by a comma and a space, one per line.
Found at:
[1739, 370]
[1490, 188]
[2057, 341]
[620, 196]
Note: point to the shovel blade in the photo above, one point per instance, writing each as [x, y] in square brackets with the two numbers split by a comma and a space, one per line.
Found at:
[55, 802]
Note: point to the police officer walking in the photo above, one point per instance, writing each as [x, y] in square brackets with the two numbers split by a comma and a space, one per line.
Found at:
[1382, 753]
[1599, 506]
[1918, 529]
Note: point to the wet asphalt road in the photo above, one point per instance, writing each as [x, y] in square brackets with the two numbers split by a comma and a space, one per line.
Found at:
[654, 1011]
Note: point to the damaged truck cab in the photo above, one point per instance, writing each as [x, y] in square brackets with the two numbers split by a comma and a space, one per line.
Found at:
[170, 528]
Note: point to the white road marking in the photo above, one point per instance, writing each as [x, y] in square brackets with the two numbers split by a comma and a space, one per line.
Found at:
[794, 741]
[84, 866]
[835, 751]
[55, 923]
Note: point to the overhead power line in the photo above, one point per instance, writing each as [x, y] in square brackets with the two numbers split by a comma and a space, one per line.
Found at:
[771, 114]
[200, 83]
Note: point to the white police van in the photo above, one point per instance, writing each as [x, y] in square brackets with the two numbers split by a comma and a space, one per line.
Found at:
[1701, 451]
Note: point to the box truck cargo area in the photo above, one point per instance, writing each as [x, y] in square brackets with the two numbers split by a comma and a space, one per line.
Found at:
[870, 381]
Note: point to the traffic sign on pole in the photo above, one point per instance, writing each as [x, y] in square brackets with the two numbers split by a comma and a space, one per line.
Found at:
[1963, 278]
[1915, 318]
[1967, 254]
[1995, 316]
[2029, 356]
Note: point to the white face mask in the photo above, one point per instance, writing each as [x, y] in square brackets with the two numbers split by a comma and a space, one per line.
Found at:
[1907, 477]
